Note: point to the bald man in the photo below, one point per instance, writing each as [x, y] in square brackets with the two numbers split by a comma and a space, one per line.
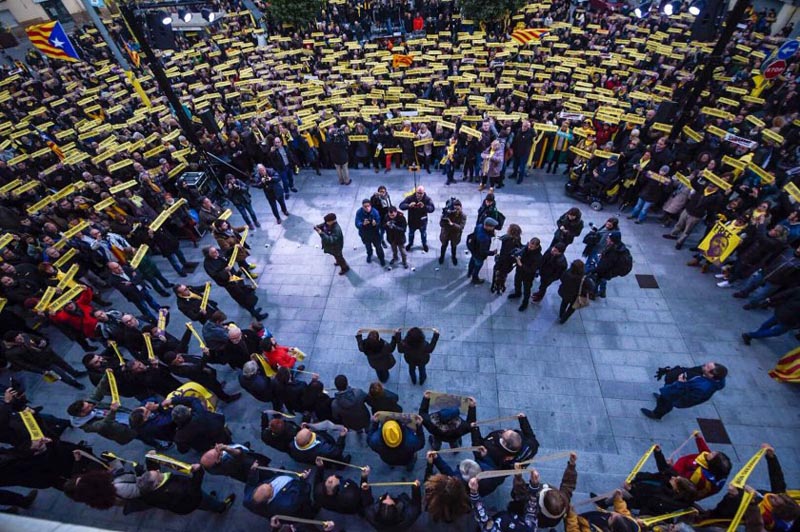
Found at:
[130, 284]
[419, 206]
[313, 441]
[241, 344]
[234, 460]
[268, 493]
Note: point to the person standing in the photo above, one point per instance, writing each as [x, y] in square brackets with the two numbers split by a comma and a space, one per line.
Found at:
[554, 264]
[395, 225]
[381, 201]
[379, 352]
[130, 284]
[239, 194]
[574, 284]
[180, 494]
[528, 264]
[492, 165]
[339, 148]
[280, 160]
[449, 159]
[446, 425]
[349, 405]
[267, 493]
[368, 222]
[478, 244]
[595, 241]
[333, 241]
[269, 180]
[396, 444]
[560, 147]
[569, 228]
[615, 261]
[687, 387]
[785, 318]
[241, 291]
[417, 352]
[419, 206]
[521, 147]
[705, 200]
[425, 151]
[452, 227]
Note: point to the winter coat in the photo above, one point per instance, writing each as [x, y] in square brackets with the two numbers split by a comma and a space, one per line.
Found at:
[396, 229]
[451, 232]
[382, 359]
[677, 200]
[571, 284]
[417, 216]
[332, 239]
[413, 441]
[552, 268]
[385, 403]
[364, 221]
[787, 307]
[418, 355]
[348, 408]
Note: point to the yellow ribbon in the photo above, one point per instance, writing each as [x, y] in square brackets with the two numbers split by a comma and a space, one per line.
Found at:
[148, 342]
[112, 386]
[197, 336]
[746, 498]
[640, 464]
[113, 345]
[31, 425]
[744, 473]
[206, 294]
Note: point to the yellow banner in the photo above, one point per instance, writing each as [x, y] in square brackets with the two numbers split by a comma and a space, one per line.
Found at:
[743, 504]
[113, 345]
[714, 178]
[640, 464]
[744, 473]
[47, 297]
[140, 253]
[206, 294]
[197, 336]
[63, 259]
[65, 298]
[31, 425]
[122, 186]
[719, 243]
[793, 191]
[112, 386]
[108, 202]
[148, 342]
[692, 134]
[67, 279]
[650, 521]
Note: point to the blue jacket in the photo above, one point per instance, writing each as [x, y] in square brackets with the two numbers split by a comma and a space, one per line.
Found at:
[368, 230]
[483, 242]
[403, 453]
[692, 392]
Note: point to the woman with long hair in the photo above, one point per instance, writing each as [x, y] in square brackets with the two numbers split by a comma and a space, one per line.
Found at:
[574, 283]
[102, 489]
[445, 498]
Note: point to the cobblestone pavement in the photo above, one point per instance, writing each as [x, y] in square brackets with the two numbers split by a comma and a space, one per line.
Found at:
[581, 384]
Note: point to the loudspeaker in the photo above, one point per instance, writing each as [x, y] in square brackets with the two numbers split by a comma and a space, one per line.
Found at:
[666, 112]
[161, 35]
[705, 25]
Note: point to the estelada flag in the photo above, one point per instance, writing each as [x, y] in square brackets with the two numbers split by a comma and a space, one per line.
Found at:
[133, 54]
[51, 39]
[788, 367]
[524, 36]
[719, 243]
[401, 60]
[53, 145]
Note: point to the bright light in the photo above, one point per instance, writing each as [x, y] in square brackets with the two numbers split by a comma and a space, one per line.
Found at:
[212, 16]
[166, 19]
[185, 15]
[694, 10]
[668, 9]
[207, 14]
[638, 12]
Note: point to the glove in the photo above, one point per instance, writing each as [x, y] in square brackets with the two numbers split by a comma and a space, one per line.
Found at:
[661, 372]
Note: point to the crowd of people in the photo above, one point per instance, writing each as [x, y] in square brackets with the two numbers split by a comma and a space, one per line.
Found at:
[91, 193]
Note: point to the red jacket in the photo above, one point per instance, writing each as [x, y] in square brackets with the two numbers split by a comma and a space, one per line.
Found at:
[418, 23]
[280, 357]
[85, 324]
[695, 468]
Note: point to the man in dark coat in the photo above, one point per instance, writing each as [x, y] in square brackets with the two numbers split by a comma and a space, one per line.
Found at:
[521, 146]
[178, 493]
[130, 284]
[507, 447]
[553, 266]
[338, 494]
[479, 244]
[615, 261]
[333, 241]
[452, 227]
[280, 159]
[239, 288]
[758, 249]
[255, 382]
[231, 460]
[189, 299]
[269, 180]
[419, 206]
[687, 387]
[662, 492]
[368, 223]
[197, 428]
[348, 406]
[95, 416]
[278, 433]
[30, 352]
[528, 264]
[395, 225]
[706, 199]
[309, 444]
[196, 369]
[267, 493]
[396, 444]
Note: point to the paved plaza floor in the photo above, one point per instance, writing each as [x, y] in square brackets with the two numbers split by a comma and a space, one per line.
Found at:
[581, 384]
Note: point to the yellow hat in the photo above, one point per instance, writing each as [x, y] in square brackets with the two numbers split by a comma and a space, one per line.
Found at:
[392, 434]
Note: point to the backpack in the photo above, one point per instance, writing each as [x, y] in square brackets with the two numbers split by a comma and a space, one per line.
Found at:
[472, 242]
[624, 264]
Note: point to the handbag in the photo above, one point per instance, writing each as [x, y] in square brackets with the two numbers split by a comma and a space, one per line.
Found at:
[581, 301]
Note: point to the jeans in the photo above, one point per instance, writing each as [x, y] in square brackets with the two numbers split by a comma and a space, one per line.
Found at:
[769, 328]
[423, 233]
[247, 212]
[474, 267]
[592, 260]
[177, 260]
[640, 210]
[375, 242]
[519, 164]
[159, 282]
[422, 373]
[287, 178]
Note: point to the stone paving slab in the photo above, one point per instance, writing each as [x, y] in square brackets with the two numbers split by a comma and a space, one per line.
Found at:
[581, 384]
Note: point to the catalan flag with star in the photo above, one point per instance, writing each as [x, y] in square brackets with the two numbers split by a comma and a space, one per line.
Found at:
[526, 35]
[400, 60]
[51, 39]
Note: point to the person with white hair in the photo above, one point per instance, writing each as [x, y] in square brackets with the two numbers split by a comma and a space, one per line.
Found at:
[467, 469]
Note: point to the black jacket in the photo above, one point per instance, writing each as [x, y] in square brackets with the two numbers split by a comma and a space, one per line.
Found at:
[421, 355]
[447, 432]
[346, 500]
[382, 358]
[409, 509]
[502, 458]
[552, 268]
[180, 494]
[417, 216]
[203, 431]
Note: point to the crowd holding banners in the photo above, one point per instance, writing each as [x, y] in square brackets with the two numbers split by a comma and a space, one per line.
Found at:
[116, 162]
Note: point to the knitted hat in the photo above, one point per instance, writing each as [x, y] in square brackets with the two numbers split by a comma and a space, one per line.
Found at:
[392, 433]
[491, 222]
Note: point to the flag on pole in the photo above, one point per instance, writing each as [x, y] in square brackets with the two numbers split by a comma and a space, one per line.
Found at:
[401, 60]
[524, 36]
[133, 54]
[51, 39]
